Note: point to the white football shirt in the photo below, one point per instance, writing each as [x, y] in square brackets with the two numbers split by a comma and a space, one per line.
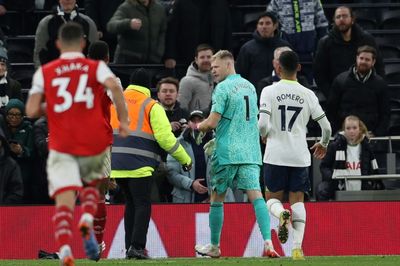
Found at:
[289, 107]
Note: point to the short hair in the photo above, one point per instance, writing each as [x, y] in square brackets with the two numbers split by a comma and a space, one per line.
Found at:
[344, 7]
[269, 14]
[203, 47]
[140, 77]
[279, 50]
[367, 49]
[98, 50]
[70, 33]
[289, 61]
[223, 54]
[169, 80]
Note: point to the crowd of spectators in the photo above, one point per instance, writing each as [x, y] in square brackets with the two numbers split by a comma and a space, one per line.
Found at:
[187, 33]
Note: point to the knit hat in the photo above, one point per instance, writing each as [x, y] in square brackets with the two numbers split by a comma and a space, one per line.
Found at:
[3, 55]
[15, 103]
[140, 77]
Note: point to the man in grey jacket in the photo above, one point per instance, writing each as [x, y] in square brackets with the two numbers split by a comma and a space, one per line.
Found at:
[46, 32]
[196, 87]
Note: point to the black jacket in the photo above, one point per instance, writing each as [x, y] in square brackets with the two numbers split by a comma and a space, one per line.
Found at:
[11, 187]
[176, 115]
[334, 55]
[254, 60]
[369, 101]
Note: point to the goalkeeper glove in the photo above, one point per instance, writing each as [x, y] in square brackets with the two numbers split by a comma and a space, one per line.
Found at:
[209, 147]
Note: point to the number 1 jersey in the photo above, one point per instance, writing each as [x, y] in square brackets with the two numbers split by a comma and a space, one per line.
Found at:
[289, 107]
[73, 91]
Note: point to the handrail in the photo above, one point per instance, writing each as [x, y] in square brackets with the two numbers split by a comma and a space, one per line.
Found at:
[388, 176]
[374, 138]
[330, 6]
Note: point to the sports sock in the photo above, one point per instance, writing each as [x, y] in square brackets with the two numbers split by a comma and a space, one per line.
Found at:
[262, 217]
[275, 207]
[100, 219]
[216, 219]
[298, 223]
[89, 197]
[62, 221]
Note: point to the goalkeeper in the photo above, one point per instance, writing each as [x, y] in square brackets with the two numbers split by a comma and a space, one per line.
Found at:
[237, 157]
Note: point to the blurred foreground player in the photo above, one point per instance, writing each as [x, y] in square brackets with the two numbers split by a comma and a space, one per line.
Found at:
[73, 87]
[99, 50]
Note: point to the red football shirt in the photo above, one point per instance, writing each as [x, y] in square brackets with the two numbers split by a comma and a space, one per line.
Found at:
[73, 90]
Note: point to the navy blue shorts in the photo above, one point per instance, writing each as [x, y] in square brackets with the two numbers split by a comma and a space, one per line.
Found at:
[292, 179]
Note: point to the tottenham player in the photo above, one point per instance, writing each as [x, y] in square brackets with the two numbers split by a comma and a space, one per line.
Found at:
[285, 108]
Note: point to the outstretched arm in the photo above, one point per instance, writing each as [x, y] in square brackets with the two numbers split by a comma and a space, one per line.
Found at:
[210, 123]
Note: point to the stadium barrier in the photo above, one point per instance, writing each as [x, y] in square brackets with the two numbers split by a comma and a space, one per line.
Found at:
[333, 228]
[387, 168]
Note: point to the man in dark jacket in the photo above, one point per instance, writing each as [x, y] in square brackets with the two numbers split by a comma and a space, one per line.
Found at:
[361, 92]
[337, 50]
[254, 60]
[11, 186]
[141, 26]
[167, 94]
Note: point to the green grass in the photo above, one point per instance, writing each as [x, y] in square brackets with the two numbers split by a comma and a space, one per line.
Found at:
[317, 261]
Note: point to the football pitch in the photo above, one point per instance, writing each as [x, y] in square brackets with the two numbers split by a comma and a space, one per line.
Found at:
[320, 261]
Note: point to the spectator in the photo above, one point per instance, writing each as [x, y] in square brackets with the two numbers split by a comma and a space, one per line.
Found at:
[361, 92]
[303, 24]
[254, 60]
[167, 93]
[134, 159]
[193, 22]
[11, 186]
[101, 12]
[336, 51]
[9, 88]
[196, 87]
[192, 186]
[274, 77]
[141, 26]
[46, 33]
[349, 154]
[41, 141]
[19, 134]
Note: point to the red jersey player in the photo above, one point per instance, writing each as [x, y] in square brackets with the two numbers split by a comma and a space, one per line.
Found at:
[73, 87]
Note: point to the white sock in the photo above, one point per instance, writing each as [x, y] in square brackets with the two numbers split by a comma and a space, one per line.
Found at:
[298, 223]
[275, 207]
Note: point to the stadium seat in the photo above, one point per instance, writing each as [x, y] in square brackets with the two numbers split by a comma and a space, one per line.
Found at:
[366, 19]
[392, 72]
[390, 20]
[250, 21]
[388, 47]
[20, 49]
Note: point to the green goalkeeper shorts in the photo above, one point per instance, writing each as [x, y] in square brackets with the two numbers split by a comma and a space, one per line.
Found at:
[235, 176]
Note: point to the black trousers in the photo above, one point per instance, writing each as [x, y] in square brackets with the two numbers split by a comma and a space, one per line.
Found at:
[137, 210]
